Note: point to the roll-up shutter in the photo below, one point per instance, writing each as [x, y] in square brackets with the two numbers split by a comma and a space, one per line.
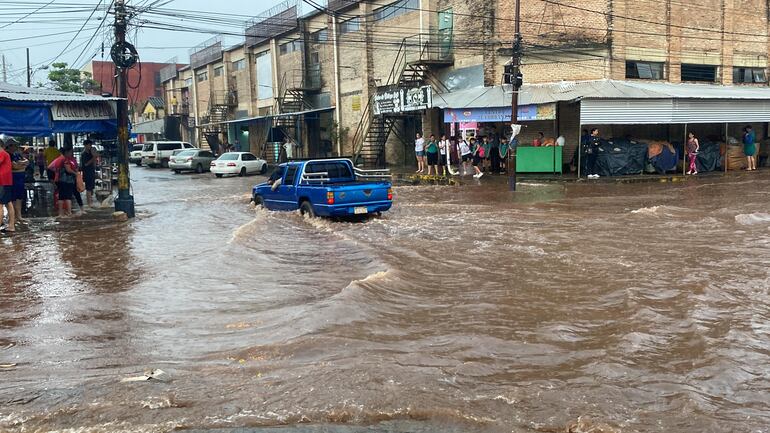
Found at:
[672, 111]
[721, 111]
[626, 111]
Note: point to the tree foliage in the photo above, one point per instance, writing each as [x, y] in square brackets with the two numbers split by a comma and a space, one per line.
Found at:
[70, 80]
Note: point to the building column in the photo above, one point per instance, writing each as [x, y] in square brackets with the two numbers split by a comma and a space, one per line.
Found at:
[728, 47]
[616, 30]
[337, 93]
[193, 106]
[674, 22]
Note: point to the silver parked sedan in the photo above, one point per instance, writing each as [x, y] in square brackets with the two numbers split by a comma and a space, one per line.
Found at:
[197, 160]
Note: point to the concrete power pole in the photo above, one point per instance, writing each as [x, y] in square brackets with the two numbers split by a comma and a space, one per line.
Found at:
[516, 80]
[124, 56]
[29, 71]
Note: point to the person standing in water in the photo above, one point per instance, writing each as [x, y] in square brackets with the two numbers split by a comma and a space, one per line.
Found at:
[88, 168]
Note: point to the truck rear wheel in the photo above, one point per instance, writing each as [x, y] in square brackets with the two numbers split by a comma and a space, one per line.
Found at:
[306, 209]
[259, 203]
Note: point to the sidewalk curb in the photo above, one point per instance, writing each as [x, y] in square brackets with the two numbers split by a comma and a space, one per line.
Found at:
[417, 179]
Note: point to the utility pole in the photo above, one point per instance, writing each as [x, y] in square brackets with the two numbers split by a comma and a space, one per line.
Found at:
[124, 57]
[516, 81]
[29, 71]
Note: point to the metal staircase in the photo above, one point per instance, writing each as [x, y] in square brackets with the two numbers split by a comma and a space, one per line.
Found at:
[220, 107]
[412, 67]
[294, 89]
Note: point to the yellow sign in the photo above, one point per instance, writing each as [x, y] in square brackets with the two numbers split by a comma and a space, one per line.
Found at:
[356, 103]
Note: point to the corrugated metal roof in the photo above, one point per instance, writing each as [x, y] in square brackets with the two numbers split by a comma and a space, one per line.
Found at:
[12, 92]
[151, 127]
[486, 97]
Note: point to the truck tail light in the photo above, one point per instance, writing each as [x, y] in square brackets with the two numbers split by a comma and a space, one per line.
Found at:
[329, 197]
[390, 193]
[231, 164]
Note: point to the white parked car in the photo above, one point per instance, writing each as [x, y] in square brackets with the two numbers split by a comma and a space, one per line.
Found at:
[240, 163]
[135, 157]
[158, 153]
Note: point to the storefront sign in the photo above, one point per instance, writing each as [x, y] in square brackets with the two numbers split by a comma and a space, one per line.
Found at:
[402, 100]
[82, 111]
[500, 114]
[387, 102]
[417, 99]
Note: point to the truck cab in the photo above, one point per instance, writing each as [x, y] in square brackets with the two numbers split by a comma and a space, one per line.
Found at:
[325, 187]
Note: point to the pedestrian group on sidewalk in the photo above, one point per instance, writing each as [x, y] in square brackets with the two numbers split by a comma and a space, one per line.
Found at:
[70, 179]
[441, 157]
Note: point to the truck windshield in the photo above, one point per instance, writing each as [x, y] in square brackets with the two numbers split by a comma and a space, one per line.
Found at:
[335, 169]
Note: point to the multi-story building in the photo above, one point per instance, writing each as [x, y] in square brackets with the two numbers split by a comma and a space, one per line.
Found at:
[361, 77]
[145, 82]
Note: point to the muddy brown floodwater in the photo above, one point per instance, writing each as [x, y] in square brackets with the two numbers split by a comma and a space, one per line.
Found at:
[639, 307]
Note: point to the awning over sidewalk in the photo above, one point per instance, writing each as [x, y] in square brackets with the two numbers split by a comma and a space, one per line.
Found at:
[628, 102]
[43, 112]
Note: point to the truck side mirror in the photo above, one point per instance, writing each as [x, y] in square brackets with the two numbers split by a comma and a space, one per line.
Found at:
[276, 184]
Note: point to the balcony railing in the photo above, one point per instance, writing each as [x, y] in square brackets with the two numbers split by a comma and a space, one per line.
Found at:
[229, 98]
[309, 80]
[436, 47]
[182, 109]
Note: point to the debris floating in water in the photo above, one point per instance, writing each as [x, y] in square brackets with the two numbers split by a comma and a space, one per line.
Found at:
[154, 374]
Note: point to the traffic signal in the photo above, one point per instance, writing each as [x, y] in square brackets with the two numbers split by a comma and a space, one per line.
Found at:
[508, 77]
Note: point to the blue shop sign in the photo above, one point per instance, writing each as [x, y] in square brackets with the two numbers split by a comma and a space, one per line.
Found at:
[500, 114]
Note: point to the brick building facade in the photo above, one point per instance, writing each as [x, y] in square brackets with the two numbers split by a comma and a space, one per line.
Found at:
[336, 61]
[144, 82]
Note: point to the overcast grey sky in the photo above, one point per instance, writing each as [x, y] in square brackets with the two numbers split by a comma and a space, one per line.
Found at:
[153, 44]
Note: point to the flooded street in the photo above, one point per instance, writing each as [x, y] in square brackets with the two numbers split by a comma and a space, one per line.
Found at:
[618, 307]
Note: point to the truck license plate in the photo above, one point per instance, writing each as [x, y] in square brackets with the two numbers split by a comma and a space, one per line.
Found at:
[360, 210]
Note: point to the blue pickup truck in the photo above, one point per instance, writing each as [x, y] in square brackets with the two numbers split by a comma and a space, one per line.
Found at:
[325, 187]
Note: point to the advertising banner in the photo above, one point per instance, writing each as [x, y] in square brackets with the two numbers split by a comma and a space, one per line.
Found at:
[500, 114]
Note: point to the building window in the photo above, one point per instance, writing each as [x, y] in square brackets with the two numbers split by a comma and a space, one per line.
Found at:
[239, 65]
[264, 65]
[319, 36]
[219, 71]
[290, 47]
[315, 58]
[396, 9]
[203, 76]
[644, 70]
[350, 26]
[705, 73]
[188, 82]
[749, 75]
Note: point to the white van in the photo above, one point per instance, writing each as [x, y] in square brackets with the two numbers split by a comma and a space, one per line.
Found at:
[157, 153]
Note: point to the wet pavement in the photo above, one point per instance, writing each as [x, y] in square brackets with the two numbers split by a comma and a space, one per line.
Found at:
[589, 307]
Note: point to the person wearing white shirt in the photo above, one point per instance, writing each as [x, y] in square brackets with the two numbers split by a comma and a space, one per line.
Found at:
[465, 156]
[419, 151]
[443, 150]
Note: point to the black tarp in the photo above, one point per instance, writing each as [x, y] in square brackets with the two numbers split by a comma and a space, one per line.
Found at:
[618, 157]
[708, 156]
